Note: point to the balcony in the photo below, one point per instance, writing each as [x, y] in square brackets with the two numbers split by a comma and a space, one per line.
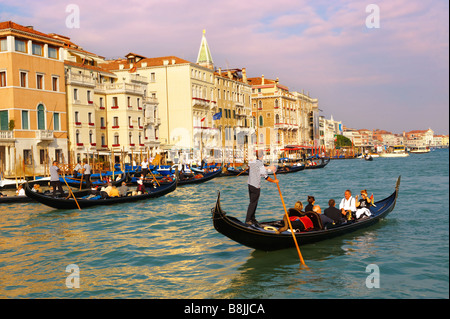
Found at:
[6, 136]
[44, 136]
[199, 102]
[80, 79]
[128, 88]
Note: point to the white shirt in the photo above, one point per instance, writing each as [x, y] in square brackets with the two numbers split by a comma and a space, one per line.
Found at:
[348, 204]
[144, 165]
[256, 171]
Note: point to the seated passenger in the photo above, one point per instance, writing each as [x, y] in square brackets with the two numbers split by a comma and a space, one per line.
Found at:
[297, 218]
[362, 205]
[311, 201]
[347, 205]
[114, 192]
[123, 189]
[325, 219]
[140, 188]
[334, 213]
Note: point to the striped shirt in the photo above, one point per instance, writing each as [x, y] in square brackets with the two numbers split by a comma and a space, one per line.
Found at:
[256, 171]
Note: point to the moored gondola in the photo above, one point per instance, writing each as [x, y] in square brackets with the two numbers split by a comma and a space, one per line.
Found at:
[69, 202]
[94, 181]
[267, 239]
[321, 165]
[197, 180]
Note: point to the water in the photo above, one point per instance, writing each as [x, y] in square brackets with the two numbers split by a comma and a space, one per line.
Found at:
[168, 248]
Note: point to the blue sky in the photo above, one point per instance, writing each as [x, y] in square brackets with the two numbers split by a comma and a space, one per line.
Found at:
[394, 77]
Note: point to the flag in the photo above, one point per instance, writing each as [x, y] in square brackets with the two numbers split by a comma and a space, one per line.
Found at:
[203, 119]
[217, 116]
[133, 69]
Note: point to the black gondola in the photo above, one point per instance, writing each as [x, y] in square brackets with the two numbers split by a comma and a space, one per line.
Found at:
[321, 165]
[368, 158]
[15, 199]
[69, 202]
[94, 182]
[206, 177]
[267, 240]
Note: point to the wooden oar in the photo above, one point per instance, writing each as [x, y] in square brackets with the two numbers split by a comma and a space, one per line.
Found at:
[71, 193]
[242, 171]
[289, 222]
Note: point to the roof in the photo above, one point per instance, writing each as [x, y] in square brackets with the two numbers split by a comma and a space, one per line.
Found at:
[89, 67]
[30, 30]
[113, 65]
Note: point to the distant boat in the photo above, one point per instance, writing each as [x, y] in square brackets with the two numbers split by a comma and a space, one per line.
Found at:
[396, 151]
[420, 150]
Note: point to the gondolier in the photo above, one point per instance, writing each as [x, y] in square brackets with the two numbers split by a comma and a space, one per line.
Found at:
[256, 171]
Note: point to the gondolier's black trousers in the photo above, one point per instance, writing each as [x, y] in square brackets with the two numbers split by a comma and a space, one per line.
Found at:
[56, 185]
[253, 193]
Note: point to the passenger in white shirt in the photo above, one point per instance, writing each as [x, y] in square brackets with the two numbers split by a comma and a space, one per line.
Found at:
[347, 203]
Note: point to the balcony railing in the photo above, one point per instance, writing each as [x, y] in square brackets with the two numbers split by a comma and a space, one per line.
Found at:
[44, 135]
[6, 135]
[80, 79]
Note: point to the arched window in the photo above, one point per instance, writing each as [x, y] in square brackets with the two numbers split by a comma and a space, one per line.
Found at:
[77, 136]
[276, 103]
[41, 117]
[261, 121]
[277, 119]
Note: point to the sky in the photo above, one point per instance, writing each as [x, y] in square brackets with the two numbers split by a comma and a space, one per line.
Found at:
[371, 67]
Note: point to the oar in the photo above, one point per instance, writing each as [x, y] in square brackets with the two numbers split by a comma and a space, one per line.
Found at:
[289, 222]
[242, 171]
[71, 193]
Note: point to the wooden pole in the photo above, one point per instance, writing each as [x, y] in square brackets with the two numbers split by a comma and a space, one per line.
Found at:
[289, 222]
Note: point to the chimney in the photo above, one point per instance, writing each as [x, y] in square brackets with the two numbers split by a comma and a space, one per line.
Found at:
[262, 79]
[244, 75]
[220, 71]
[30, 27]
[277, 80]
[229, 74]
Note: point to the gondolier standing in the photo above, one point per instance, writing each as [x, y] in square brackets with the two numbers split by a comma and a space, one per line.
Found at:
[54, 179]
[256, 171]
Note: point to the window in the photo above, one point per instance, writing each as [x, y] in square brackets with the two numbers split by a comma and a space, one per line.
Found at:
[52, 52]
[90, 137]
[23, 79]
[102, 122]
[25, 125]
[4, 120]
[36, 49]
[39, 81]
[89, 97]
[77, 120]
[41, 117]
[115, 101]
[20, 45]
[101, 103]
[2, 78]
[55, 85]
[27, 157]
[90, 118]
[56, 126]
[261, 121]
[116, 139]
[3, 45]
[77, 137]
[75, 94]
[42, 157]
[115, 121]
[152, 77]
[103, 140]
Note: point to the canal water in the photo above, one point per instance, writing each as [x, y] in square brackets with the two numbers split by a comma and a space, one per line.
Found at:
[168, 247]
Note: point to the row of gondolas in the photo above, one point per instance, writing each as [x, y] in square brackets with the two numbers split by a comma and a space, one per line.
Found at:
[133, 186]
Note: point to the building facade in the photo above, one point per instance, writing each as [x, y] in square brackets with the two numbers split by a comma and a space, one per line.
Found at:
[33, 114]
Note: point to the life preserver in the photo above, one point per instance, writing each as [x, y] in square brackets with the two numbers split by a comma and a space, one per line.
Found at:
[270, 228]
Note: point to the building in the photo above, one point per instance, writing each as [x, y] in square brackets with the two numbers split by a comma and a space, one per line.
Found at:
[33, 115]
[234, 113]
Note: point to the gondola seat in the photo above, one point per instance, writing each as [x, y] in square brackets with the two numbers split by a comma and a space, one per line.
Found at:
[316, 220]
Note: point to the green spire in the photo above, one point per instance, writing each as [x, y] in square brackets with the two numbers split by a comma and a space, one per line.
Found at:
[204, 57]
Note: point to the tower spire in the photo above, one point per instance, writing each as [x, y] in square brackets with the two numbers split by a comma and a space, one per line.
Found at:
[204, 57]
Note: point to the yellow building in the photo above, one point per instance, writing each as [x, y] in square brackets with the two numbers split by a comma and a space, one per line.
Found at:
[33, 115]
[233, 95]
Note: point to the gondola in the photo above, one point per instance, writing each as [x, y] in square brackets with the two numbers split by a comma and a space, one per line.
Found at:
[69, 202]
[206, 177]
[321, 165]
[267, 240]
[94, 182]
[15, 199]
[368, 158]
